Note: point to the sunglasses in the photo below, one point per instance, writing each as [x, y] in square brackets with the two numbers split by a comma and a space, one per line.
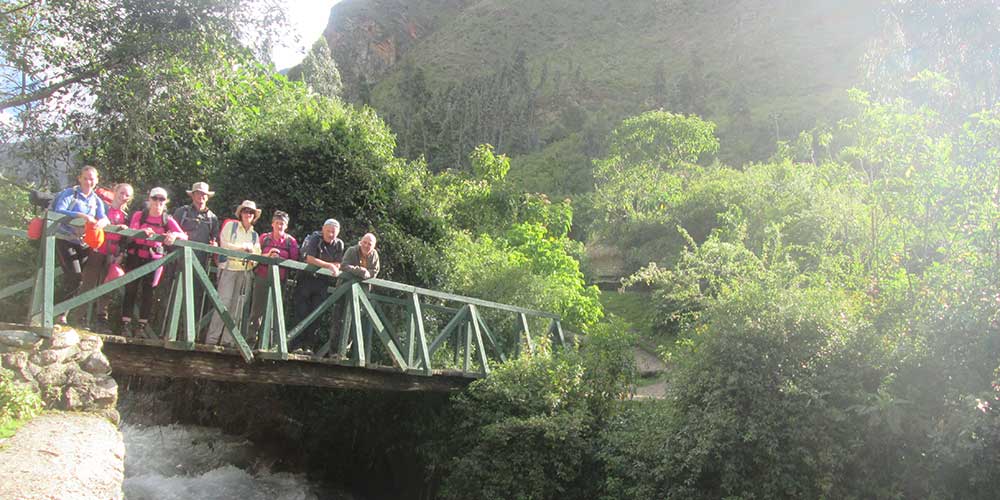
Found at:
[158, 198]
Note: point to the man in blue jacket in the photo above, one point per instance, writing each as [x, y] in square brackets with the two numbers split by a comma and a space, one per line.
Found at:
[81, 202]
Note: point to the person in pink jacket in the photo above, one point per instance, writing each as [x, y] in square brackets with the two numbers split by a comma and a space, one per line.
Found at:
[153, 220]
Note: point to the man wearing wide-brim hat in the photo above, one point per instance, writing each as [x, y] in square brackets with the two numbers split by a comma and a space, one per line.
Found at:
[196, 219]
[234, 273]
[201, 225]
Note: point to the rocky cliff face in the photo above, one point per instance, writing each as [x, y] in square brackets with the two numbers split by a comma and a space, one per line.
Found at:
[368, 37]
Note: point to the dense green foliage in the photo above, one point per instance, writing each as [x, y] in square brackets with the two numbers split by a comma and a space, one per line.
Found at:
[834, 322]
[530, 430]
[509, 245]
[18, 257]
[58, 53]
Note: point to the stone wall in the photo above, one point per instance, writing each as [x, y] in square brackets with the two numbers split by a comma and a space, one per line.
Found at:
[68, 370]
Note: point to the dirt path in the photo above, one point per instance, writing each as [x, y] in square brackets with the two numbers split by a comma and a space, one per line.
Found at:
[63, 455]
[649, 365]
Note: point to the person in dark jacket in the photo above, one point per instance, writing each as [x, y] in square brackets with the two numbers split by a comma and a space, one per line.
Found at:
[325, 250]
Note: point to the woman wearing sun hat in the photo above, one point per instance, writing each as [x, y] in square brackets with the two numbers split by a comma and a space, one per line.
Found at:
[234, 274]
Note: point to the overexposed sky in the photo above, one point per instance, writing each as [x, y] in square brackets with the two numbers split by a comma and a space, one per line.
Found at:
[307, 18]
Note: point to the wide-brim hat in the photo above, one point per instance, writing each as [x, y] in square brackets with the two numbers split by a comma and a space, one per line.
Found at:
[252, 206]
[201, 187]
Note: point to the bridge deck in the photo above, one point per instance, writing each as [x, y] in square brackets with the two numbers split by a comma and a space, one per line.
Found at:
[147, 357]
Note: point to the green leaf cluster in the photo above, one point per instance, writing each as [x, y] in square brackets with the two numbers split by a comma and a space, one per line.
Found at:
[18, 403]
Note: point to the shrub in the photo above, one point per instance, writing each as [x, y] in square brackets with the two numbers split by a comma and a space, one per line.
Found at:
[17, 404]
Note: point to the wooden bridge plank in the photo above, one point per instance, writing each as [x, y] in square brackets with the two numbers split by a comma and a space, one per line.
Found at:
[474, 322]
[527, 336]
[459, 316]
[334, 296]
[17, 288]
[489, 337]
[130, 357]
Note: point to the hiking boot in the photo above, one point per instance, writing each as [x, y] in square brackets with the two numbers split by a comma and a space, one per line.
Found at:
[125, 330]
[139, 329]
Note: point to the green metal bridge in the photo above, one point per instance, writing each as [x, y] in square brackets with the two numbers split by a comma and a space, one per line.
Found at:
[401, 338]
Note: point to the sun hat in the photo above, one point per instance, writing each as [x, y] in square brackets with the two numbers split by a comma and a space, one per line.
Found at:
[332, 222]
[252, 206]
[201, 187]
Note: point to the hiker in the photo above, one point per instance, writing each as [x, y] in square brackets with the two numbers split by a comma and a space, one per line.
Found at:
[325, 250]
[153, 220]
[201, 225]
[361, 260]
[277, 244]
[98, 268]
[197, 220]
[235, 277]
[80, 201]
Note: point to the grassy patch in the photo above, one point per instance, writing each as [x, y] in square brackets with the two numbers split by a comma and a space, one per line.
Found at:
[18, 404]
[8, 428]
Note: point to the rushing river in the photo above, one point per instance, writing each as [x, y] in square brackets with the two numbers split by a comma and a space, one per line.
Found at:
[186, 462]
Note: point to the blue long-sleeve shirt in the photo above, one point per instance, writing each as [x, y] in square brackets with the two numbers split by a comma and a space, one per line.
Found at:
[72, 202]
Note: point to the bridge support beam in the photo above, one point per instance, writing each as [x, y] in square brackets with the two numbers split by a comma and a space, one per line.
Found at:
[147, 358]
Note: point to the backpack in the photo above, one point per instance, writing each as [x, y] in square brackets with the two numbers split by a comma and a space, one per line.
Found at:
[185, 213]
[221, 259]
[305, 244]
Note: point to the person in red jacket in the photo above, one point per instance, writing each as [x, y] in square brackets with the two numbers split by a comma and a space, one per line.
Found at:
[277, 244]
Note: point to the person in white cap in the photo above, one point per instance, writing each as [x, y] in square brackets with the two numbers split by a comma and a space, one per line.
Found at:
[153, 220]
[235, 276]
[324, 250]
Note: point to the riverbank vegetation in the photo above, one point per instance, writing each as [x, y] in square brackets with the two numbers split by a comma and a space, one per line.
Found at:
[18, 404]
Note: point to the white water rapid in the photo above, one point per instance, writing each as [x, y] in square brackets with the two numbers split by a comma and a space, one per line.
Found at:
[186, 462]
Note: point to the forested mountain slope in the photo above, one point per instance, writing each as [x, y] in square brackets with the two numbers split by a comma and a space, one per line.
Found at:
[524, 75]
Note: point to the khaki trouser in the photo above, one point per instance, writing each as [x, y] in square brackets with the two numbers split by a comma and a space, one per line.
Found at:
[234, 286]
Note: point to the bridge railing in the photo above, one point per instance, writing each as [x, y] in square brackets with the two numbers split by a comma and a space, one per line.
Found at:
[403, 338]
